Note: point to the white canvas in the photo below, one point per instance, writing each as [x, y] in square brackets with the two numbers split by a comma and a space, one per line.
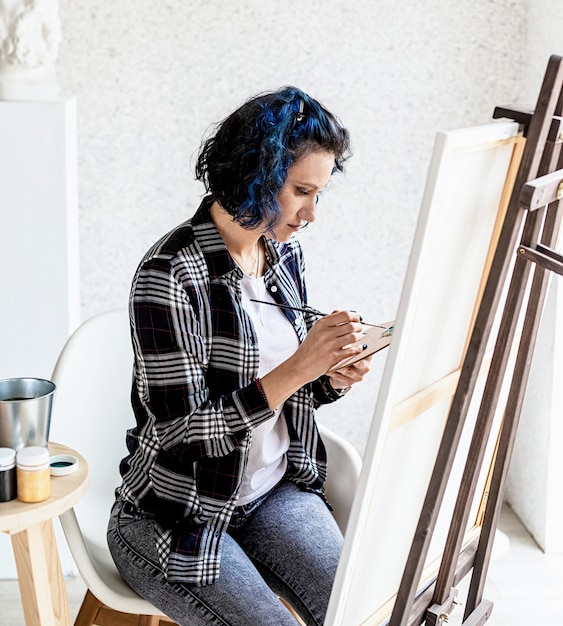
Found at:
[459, 220]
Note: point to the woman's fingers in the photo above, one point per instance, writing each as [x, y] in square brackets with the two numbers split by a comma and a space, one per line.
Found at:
[351, 374]
[332, 339]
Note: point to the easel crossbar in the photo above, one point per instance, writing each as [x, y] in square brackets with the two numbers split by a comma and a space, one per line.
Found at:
[544, 257]
[541, 191]
[523, 116]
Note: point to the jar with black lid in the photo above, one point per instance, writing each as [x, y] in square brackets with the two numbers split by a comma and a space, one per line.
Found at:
[8, 481]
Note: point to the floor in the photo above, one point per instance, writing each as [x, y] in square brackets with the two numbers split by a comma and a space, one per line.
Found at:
[525, 585]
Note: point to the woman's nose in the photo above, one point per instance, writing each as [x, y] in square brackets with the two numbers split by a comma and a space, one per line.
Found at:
[308, 210]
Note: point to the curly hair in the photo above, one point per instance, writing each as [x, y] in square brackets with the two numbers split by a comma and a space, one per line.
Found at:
[244, 163]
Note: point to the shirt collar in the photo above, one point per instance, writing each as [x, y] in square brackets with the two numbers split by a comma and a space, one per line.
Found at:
[219, 261]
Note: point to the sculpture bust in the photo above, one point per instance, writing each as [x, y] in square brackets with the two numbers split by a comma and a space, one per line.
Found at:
[30, 34]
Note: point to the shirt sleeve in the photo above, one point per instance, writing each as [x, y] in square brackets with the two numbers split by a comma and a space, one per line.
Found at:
[171, 361]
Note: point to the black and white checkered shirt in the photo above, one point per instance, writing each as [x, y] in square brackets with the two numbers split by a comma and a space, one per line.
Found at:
[194, 393]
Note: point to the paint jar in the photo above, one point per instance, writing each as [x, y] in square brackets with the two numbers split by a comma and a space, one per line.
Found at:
[8, 483]
[33, 474]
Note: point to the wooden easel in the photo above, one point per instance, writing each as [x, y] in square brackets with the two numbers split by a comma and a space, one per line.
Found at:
[523, 260]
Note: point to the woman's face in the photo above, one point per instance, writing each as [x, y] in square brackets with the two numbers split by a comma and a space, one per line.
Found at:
[306, 178]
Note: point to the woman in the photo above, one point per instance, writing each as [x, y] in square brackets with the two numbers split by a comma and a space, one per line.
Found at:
[221, 508]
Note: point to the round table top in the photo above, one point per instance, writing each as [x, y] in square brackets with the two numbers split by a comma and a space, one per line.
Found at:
[66, 491]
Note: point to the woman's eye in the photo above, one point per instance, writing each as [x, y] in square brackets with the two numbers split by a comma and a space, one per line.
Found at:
[308, 192]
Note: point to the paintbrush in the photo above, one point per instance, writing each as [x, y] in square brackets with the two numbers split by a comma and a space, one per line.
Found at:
[313, 311]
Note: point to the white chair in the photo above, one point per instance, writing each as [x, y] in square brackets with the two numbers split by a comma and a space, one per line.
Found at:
[91, 413]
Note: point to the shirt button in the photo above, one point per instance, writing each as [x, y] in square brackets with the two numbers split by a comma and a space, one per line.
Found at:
[273, 289]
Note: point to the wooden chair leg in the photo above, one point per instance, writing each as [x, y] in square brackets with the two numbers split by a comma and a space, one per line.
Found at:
[149, 620]
[95, 613]
[292, 611]
[88, 610]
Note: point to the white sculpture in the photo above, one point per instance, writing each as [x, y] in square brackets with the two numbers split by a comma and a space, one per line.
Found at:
[30, 34]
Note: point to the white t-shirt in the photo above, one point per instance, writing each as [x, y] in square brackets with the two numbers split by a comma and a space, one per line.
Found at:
[277, 341]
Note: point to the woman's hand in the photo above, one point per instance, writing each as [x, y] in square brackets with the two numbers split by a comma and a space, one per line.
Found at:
[327, 343]
[350, 374]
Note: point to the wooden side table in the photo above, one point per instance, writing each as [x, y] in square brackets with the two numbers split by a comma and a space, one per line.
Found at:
[30, 526]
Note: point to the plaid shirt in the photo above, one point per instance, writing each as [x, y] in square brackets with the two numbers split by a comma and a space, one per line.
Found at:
[194, 393]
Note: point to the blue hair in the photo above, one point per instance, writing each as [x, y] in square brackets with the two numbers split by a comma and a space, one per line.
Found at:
[244, 163]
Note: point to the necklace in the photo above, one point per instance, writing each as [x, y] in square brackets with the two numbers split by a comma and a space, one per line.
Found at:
[255, 263]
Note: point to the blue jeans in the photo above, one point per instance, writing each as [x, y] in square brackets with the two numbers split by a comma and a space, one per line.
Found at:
[288, 546]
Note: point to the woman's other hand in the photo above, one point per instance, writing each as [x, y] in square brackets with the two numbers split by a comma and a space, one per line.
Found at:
[350, 374]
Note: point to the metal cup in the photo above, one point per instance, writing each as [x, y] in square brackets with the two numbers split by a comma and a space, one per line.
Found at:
[25, 412]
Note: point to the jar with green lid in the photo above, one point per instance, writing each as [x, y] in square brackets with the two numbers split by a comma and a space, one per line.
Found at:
[33, 474]
[8, 484]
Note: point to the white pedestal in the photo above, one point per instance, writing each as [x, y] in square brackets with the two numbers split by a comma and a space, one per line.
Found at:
[39, 275]
[38, 234]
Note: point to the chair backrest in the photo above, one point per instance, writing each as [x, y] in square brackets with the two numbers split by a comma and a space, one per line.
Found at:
[92, 410]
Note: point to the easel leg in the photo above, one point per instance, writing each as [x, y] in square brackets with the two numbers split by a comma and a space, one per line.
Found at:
[43, 592]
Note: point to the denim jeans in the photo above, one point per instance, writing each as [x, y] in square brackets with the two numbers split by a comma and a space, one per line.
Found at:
[286, 545]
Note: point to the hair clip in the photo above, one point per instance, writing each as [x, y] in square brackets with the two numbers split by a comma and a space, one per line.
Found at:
[300, 115]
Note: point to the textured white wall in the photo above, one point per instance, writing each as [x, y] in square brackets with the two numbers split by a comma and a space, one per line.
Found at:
[151, 77]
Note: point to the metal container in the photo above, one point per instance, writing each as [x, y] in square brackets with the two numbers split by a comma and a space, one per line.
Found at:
[25, 412]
